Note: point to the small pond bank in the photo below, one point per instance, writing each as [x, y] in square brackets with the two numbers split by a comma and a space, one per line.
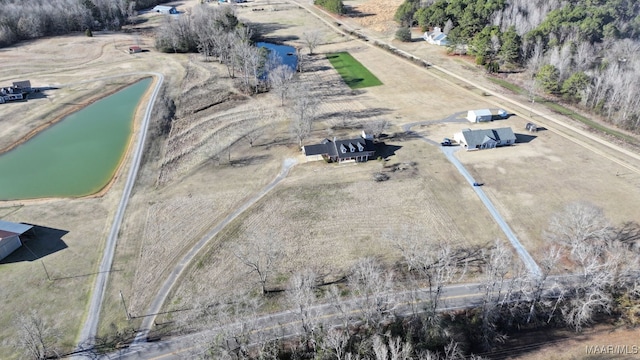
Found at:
[77, 156]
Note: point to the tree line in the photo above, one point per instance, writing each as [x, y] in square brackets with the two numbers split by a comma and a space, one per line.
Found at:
[31, 19]
[583, 51]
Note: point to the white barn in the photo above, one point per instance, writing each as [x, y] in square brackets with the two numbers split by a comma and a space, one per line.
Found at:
[10, 237]
[479, 115]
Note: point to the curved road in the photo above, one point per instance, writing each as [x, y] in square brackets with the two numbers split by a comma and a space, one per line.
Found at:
[89, 330]
[162, 294]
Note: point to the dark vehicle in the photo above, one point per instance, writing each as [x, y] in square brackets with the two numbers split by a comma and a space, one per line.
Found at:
[477, 184]
[446, 142]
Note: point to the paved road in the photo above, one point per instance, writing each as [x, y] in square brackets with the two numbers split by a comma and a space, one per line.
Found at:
[88, 333]
[449, 151]
[286, 324]
[162, 294]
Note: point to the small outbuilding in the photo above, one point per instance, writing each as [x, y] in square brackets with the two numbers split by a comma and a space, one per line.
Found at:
[134, 49]
[485, 138]
[531, 127]
[164, 9]
[481, 115]
[10, 237]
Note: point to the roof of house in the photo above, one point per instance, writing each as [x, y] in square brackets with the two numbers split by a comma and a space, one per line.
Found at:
[134, 47]
[482, 136]
[6, 234]
[22, 84]
[15, 228]
[341, 148]
[317, 149]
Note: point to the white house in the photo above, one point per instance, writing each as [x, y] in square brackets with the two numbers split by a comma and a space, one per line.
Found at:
[485, 138]
[479, 115]
[10, 237]
[436, 37]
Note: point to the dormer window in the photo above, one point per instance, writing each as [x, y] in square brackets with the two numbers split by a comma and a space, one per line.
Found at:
[360, 147]
[352, 148]
[343, 148]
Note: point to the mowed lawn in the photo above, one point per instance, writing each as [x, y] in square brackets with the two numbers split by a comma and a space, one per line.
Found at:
[353, 73]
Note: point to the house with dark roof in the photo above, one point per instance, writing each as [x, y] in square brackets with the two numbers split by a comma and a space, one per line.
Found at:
[357, 150]
[485, 138]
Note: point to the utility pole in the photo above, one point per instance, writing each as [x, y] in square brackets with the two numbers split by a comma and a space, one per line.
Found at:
[124, 305]
[45, 270]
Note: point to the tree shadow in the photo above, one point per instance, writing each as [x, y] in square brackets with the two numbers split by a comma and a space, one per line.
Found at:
[352, 12]
[264, 29]
[249, 160]
[36, 244]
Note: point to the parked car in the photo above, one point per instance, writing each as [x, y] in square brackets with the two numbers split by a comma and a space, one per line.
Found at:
[477, 184]
[446, 142]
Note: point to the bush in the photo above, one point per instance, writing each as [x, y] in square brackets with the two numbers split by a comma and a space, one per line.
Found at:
[88, 33]
[403, 34]
[334, 6]
[492, 67]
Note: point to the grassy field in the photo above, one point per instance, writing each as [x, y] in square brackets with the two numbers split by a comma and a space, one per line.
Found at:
[353, 73]
[326, 216]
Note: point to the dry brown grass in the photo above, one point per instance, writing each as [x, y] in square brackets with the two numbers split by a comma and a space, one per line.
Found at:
[318, 211]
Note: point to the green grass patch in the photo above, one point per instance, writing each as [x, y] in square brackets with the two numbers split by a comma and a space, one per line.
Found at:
[353, 73]
[558, 108]
[507, 85]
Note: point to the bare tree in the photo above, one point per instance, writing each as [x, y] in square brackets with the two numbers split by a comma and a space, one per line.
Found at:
[376, 127]
[301, 296]
[35, 338]
[369, 282]
[260, 253]
[336, 341]
[281, 81]
[499, 263]
[312, 39]
[304, 106]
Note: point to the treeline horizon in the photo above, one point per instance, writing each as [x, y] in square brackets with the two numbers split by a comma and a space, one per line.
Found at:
[31, 19]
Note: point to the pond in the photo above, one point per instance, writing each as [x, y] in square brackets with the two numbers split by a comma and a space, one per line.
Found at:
[286, 53]
[77, 156]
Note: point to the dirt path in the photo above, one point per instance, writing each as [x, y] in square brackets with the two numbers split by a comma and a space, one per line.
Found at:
[170, 282]
[88, 333]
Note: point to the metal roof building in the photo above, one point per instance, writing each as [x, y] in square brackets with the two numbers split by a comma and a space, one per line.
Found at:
[10, 237]
[479, 115]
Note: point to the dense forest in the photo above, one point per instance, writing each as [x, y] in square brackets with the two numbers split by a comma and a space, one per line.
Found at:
[30, 19]
[584, 51]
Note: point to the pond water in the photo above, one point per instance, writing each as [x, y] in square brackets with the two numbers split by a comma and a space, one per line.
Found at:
[286, 53]
[77, 156]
